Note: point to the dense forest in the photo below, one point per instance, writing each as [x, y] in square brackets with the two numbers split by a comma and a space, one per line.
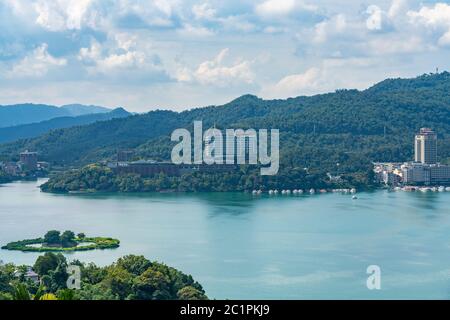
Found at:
[339, 133]
[93, 178]
[130, 278]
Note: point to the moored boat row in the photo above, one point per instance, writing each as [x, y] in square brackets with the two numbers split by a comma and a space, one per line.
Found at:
[422, 189]
[301, 191]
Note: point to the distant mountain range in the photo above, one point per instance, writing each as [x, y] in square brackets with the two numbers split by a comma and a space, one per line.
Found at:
[13, 115]
[343, 131]
[26, 131]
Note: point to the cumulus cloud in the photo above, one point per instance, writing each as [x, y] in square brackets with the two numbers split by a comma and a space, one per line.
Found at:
[120, 54]
[36, 64]
[204, 11]
[62, 14]
[134, 42]
[435, 18]
[295, 84]
[330, 27]
[216, 72]
[270, 8]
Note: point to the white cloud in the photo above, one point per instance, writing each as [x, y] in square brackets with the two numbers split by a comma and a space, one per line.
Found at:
[108, 60]
[436, 19]
[398, 7]
[216, 72]
[189, 30]
[270, 8]
[295, 84]
[91, 54]
[59, 15]
[331, 27]
[203, 11]
[36, 64]
[437, 16]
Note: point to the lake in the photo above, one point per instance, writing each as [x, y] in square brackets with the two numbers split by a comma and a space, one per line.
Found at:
[240, 246]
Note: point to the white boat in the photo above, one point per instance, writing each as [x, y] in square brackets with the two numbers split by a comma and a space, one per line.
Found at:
[353, 190]
[312, 191]
[354, 197]
[441, 189]
[447, 189]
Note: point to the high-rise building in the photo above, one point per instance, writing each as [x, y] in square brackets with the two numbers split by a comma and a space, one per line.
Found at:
[426, 146]
[29, 160]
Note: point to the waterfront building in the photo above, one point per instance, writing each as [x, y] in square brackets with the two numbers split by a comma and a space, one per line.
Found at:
[425, 170]
[29, 160]
[440, 174]
[415, 173]
[426, 146]
[11, 168]
[147, 168]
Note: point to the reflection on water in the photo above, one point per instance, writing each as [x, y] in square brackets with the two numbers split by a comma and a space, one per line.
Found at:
[243, 246]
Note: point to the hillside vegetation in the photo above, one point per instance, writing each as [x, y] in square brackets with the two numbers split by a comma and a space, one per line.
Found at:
[340, 132]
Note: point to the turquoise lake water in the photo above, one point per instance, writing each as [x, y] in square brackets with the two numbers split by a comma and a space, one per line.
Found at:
[239, 246]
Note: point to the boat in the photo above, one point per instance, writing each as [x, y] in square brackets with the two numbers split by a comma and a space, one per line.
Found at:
[354, 197]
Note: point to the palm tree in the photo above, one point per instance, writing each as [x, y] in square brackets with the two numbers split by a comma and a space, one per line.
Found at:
[20, 292]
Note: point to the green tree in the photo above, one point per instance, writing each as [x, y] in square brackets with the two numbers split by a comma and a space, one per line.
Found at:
[81, 235]
[134, 264]
[68, 239]
[191, 293]
[52, 237]
[48, 262]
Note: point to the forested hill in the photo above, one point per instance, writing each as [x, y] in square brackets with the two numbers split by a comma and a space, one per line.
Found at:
[32, 130]
[348, 127]
[18, 114]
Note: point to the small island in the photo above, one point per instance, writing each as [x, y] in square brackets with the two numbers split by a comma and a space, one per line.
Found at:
[66, 241]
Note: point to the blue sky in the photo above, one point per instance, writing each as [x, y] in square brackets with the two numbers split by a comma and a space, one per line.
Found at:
[173, 54]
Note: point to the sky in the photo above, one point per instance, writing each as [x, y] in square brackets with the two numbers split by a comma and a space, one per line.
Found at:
[172, 54]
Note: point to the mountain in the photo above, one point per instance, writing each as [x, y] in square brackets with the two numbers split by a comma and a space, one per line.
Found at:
[32, 130]
[13, 115]
[343, 131]
[79, 109]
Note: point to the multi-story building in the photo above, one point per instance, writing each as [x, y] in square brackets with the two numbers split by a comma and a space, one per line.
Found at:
[415, 173]
[425, 170]
[439, 174]
[125, 155]
[426, 146]
[29, 160]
